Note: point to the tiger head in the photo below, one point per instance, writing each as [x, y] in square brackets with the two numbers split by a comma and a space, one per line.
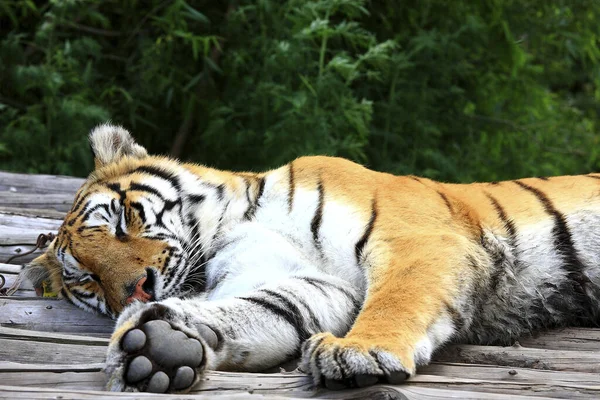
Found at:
[134, 231]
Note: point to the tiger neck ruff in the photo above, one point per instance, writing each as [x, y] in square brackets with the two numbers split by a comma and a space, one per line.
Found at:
[364, 274]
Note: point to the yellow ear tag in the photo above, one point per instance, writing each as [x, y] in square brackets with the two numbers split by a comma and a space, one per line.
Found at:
[46, 290]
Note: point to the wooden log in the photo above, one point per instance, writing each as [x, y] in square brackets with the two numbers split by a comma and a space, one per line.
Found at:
[40, 184]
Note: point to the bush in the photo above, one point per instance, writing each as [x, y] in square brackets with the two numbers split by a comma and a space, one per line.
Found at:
[456, 91]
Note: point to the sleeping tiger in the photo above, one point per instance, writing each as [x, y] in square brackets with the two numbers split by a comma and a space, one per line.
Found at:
[362, 274]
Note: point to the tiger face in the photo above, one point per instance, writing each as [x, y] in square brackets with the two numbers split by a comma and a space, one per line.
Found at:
[124, 239]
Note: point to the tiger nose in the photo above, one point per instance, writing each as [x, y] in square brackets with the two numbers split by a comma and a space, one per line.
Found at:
[143, 290]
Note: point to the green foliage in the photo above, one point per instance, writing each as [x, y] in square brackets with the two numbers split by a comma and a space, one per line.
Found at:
[456, 91]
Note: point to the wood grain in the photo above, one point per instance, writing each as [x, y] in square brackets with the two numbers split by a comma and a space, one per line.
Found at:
[39, 184]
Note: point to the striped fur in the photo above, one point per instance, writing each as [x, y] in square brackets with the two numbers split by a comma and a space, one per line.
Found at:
[362, 272]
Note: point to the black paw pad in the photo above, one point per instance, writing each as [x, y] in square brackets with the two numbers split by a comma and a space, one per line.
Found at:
[171, 348]
[163, 358]
[139, 368]
[134, 340]
[183, 377]
[159, 383]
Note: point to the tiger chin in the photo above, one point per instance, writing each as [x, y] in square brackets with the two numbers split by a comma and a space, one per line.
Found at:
[361, 274]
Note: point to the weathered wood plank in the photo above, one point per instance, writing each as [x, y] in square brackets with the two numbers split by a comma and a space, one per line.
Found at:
[20, 347]
[52, 337]
[32, 212]
[25, 288]
[40, 184]
[20, 240]
[10, 268]
[544, 387]
[9, 366]
[26, 223]
[53, 201]
[297, 385]
[522, 357]
[51, 315]
[565, 339]
[377, 392]
[508, 373]
[24, 351]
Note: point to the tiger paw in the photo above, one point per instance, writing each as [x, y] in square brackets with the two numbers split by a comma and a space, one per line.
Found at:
[341, 363]
[157, 355]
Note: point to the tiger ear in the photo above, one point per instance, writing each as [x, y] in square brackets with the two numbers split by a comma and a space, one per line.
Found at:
[43, 269]
[110, 143]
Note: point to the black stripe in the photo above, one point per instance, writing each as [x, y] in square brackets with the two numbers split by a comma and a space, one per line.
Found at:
[140, 187]
[593, 176]
[362, 242]
[160, 173]
[339, 361]
[87, 213]
[509, 225]
[79, 201]
[83, 228]
[499, 261]
[161, 236]
[196, 198]
[415, 178]
[457, 319]
[445, 198]
[295, 311]
[119, 233]
[280, 312]
[299, 300]
[168, 206]
[563, 242]
[544, 178]
[251, 210]
[494, 183]
[115, 187]
[74, 219]
[140, 209]
[261, 189]
[220, 192]
[292, 187]
[319, 283]
[315, 224]
[84, 295]
[82, 300]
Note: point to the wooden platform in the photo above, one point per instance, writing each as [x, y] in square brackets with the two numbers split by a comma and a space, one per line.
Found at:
[50, 349]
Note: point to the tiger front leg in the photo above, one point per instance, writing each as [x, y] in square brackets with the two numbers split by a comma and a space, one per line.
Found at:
[156, 349]
[414, 304]
[165, 346]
